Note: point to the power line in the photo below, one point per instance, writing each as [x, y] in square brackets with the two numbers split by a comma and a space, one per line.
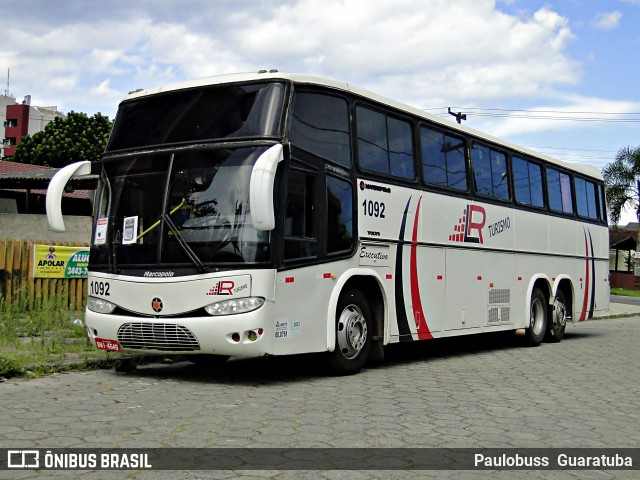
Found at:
[563, 153]
[571, 149]
[555, 118]
[545, 111]
[559, 115]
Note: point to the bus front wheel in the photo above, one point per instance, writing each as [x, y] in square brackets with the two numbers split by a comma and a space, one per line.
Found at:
[353, 334]
[537, 319]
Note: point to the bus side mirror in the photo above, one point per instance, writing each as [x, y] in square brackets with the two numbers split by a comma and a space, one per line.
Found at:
[56, 189]
[261, 188]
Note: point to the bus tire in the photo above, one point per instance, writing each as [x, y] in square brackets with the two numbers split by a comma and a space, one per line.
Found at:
[537, 328]
[557, 319]
[353, 334]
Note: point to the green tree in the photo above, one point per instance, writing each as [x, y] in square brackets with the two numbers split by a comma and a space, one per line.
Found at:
[66, 140]
[622, 180]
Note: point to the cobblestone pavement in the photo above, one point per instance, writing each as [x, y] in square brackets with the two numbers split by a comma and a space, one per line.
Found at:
[480, 391]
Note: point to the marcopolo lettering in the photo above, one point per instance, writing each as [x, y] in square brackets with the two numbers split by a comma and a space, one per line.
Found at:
[158, 274]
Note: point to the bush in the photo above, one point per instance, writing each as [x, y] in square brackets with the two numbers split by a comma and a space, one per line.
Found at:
[9, 367]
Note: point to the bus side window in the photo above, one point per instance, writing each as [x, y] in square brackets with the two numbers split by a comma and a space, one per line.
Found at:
[490, 172]
[443, 160]
[339, 215]
[320, 125]
[527, 181]
[602, 203]
[385, 144]
[559, 191]
[300, 236]
[586, 198]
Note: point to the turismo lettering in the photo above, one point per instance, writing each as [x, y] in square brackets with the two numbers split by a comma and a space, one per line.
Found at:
[499, 227]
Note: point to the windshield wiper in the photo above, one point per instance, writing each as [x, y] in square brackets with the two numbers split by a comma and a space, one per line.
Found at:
[185, 246]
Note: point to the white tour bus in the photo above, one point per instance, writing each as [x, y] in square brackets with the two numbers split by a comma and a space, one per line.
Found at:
[276, 214]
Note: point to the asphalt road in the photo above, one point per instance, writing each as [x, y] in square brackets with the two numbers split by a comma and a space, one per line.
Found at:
[478, 392]
[625, 300]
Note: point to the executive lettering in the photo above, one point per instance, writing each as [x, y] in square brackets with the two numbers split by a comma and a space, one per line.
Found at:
[373, 255]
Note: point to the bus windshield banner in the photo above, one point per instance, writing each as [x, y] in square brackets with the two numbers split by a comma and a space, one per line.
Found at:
[60, 262]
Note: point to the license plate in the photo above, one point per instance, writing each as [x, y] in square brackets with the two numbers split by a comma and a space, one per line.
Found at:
[109, 345]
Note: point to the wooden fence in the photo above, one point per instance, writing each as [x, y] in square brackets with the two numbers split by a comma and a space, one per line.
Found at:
[18, 286]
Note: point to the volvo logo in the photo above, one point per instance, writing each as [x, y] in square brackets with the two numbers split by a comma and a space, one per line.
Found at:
[156, 304]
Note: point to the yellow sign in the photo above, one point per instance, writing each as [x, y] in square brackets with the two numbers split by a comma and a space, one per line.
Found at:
[51, 261]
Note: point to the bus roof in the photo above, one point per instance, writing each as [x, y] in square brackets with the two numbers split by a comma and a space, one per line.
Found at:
[300, 79]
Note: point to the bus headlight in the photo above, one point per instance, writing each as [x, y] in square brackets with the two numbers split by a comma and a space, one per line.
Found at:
[231, 307]
[99, 305]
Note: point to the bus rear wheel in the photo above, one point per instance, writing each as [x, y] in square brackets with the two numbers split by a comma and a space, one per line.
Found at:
[535, 333]
[558, 320]
[353, 334]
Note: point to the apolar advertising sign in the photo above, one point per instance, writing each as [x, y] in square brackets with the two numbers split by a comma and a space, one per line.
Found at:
[52, 261]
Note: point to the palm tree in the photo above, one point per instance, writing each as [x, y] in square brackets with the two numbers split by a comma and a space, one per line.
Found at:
[622, 181]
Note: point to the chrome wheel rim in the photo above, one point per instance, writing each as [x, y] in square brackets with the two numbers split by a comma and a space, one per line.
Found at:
[351, 331]
[537, 314]
[560, 316]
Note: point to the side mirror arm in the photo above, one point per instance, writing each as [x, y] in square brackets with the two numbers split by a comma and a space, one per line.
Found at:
[56, 189]
[261, 188]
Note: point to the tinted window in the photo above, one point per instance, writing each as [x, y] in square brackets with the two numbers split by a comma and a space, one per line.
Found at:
[197, 114]
[300, 236]
[490, 172]
[320, 125]
[602, 204]
[443, 159]
[339, 215]
[586, 202]
[559, 191]
[527, 182]
[384, 144]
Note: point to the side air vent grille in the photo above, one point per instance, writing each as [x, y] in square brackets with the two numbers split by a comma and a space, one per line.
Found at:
[499, 311]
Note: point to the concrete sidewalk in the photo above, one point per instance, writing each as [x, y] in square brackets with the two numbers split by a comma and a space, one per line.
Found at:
[620, 309]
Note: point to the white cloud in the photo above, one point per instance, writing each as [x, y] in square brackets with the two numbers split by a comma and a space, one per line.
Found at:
[607, 20]
[460, 50]
[423, 53]
[565, 108]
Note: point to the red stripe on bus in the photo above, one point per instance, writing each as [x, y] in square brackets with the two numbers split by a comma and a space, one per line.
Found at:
[416, 302]
[583, 314]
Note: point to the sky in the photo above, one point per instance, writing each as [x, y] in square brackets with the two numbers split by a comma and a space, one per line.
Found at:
[559, 76]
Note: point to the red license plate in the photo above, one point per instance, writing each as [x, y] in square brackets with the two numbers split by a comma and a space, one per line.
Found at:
[109, 345]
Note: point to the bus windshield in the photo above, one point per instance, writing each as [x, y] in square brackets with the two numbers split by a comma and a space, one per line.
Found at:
[189, 206]
[218, 112]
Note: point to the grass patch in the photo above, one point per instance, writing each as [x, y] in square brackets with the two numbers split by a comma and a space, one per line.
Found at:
[624, 292]
[46, 338]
